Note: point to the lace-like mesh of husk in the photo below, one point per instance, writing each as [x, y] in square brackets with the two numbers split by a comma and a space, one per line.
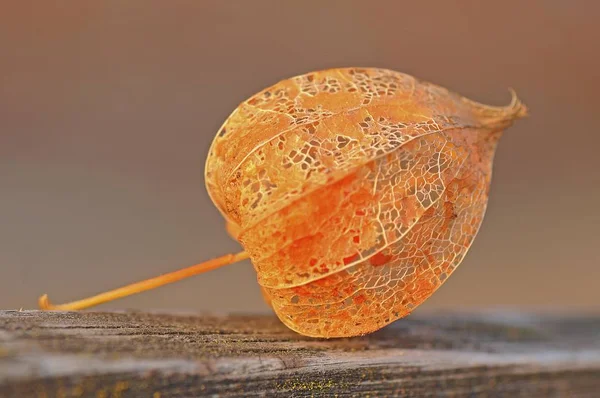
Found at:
[356, 192]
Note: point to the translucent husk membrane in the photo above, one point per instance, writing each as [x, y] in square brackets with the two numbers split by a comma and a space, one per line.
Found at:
[356, 192]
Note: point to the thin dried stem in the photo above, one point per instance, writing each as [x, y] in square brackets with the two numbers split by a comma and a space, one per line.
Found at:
[141, 286]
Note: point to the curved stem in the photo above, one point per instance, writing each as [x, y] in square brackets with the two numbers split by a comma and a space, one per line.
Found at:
[141, 286]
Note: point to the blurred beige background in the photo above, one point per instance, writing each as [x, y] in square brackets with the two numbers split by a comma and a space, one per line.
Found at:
[107, 110]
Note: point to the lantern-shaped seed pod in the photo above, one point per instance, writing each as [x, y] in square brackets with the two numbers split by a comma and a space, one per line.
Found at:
[356, 192]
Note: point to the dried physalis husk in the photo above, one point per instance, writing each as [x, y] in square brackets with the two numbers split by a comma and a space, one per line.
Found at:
[356, 192]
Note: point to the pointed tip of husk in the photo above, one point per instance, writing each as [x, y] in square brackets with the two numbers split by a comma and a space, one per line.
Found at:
[500, 117]
[516, 109]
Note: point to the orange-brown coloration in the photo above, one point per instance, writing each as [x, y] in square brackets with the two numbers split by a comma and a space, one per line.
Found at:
[379, 259]
[356, 192]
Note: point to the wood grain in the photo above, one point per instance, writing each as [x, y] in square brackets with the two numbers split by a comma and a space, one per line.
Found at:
[66, 354]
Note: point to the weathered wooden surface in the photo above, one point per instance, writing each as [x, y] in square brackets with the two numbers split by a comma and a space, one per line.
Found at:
[141, 354]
